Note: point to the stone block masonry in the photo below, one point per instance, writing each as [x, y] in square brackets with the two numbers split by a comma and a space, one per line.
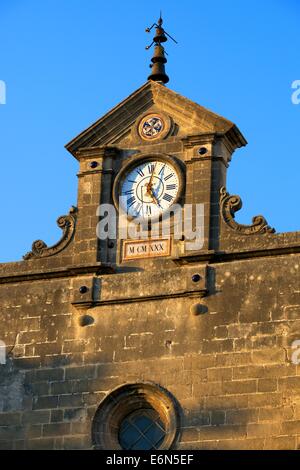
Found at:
[230, 369]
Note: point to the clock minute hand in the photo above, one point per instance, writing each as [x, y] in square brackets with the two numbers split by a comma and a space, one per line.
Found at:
[149, 185]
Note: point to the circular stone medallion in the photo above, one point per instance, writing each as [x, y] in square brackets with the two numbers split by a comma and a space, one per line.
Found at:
[151, 127]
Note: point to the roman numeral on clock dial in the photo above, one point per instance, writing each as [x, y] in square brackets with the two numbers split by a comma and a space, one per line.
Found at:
[140, 172]
[151, 168]
[168, 197]
[131, 201]
[128, 192]
[138, 208]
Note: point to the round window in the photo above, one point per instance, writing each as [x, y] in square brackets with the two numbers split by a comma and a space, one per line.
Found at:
[142, 430]
[136, 417]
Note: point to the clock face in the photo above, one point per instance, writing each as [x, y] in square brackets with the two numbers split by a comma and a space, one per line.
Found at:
[150, 188]
[151, 127]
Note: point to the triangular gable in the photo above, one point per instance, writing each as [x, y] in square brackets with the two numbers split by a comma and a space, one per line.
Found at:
[116, 124]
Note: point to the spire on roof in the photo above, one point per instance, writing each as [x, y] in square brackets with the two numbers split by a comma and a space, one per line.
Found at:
[158, 73]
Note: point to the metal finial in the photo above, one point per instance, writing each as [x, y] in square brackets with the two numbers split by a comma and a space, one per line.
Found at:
[159, 60]
[160, 21]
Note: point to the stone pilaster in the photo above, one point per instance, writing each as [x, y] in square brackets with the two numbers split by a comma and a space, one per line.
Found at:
[94, 188]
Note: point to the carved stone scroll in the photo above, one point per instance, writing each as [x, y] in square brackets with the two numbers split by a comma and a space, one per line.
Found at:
[67, 223]
[231, 204]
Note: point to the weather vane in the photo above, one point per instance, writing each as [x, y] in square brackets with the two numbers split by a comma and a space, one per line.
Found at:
[159, 60]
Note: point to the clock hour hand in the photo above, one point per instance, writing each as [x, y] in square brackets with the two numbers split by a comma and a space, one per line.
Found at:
[149, 185]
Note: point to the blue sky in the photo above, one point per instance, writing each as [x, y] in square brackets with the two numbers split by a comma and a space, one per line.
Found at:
[66, 62]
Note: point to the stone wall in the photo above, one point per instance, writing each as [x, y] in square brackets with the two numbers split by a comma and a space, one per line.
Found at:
[229, 367]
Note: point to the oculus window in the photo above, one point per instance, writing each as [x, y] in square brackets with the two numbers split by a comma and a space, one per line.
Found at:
[141, 416]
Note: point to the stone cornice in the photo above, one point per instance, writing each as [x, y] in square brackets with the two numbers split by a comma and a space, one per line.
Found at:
[211, 257]
[232, 139]
[95, 172]
[193, 140]
[96, 152]
[201, 158]
[54, 273]
[214, 257]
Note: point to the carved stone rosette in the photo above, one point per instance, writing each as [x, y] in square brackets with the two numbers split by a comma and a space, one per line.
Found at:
[65, 222]
[231, 204]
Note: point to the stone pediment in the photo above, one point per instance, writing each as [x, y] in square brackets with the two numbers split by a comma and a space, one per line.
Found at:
[189, 118]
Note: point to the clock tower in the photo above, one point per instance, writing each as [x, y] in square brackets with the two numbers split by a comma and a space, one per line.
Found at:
[156, 157]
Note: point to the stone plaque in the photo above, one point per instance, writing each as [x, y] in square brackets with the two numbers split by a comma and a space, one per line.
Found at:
[138, 249]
